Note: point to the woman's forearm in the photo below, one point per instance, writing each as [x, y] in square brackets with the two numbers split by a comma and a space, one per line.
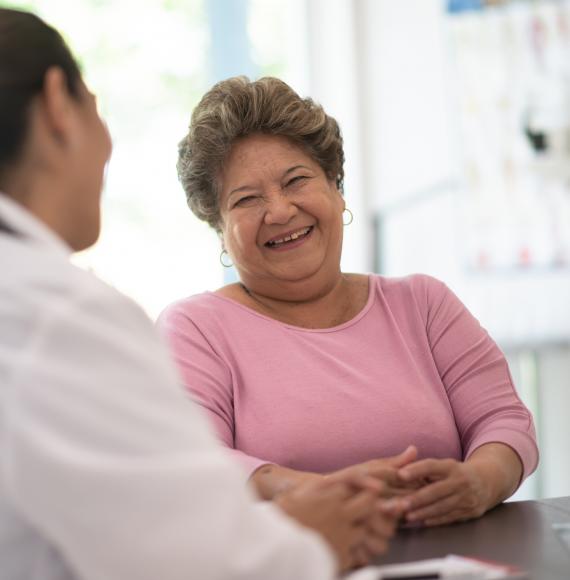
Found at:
[501, 467]
[270, 480]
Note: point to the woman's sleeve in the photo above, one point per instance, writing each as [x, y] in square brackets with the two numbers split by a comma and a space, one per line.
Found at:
[477, 379]
[207, 378]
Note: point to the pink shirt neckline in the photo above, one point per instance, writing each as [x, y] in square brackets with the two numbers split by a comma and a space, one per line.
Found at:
[347, 324]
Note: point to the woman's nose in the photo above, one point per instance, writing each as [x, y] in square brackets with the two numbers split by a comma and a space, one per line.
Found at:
[279, 210]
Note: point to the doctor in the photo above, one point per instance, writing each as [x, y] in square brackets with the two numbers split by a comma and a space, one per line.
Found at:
[107, 471]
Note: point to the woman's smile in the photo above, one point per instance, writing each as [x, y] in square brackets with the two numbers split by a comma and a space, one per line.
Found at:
[290, 240]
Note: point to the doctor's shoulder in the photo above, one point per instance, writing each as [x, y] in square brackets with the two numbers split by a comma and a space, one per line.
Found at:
[47, 288]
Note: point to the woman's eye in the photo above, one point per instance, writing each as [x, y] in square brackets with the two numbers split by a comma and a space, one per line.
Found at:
[245, 200]
[296, 180]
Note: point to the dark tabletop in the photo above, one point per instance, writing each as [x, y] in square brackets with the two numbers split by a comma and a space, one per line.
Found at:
[517, 533]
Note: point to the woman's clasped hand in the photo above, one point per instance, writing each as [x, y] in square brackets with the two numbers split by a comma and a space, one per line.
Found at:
[428, 491]
[432, 491]
[358, 508]
[451, 491]
[460, 490]
[386, 472]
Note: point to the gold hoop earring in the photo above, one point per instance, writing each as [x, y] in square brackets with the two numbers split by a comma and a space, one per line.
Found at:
[350, 217]
[222, 259]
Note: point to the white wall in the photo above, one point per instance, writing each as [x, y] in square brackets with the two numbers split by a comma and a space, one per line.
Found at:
[520, 310]
[381, 67]
[334, 81]
[404, 97]
[554, 421]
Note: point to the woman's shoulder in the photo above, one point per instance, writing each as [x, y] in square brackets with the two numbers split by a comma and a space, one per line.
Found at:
[419, 292]
[412, 285]
[428, 296]
[195, 306]
[203, 309]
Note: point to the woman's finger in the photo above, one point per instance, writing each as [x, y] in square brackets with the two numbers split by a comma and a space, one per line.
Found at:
[406, 488]
[379, 470]
[449, 518]
[407, 456]
[357, 479]
[434, 510]
[430, 494]
[426, 469]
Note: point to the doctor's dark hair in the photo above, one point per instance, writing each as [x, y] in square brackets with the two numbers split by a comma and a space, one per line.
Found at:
[237, 107]
[28, 48]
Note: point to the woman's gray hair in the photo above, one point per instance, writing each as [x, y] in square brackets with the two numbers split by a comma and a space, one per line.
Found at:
[238, 107]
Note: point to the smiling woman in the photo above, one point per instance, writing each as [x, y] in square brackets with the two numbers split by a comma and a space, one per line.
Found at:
[308, 372]
[280, 219]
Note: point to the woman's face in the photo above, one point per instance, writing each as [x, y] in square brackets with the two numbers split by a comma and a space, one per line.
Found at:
[281, 217]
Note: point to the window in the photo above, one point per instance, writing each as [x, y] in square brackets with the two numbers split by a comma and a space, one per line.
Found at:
[149, 63]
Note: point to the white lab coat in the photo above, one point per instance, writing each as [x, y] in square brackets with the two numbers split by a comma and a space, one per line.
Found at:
[107, 470]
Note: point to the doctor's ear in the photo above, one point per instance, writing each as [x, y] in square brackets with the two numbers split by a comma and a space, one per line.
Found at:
[58, 106]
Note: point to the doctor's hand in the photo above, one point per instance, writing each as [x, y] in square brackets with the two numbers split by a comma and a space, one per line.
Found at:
[451, 491]
[386, 471]
[380, 527]
[350, 521]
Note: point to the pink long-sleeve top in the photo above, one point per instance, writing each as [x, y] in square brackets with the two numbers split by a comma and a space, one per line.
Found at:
[413, 367]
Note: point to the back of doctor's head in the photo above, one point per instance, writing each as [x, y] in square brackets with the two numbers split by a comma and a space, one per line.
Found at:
[28, 48]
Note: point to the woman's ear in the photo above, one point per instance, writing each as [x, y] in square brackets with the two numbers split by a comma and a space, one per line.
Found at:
[220, 233]
[341, 198]
[334, 187]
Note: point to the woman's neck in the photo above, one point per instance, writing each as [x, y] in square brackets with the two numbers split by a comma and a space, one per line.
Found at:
[331, 306]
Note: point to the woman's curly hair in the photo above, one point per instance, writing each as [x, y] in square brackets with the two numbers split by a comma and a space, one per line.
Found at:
[238, 107]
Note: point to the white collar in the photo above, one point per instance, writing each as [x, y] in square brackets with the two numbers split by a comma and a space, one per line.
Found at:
[24, 222]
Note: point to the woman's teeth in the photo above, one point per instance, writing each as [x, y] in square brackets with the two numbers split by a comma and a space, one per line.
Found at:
[294, 236]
